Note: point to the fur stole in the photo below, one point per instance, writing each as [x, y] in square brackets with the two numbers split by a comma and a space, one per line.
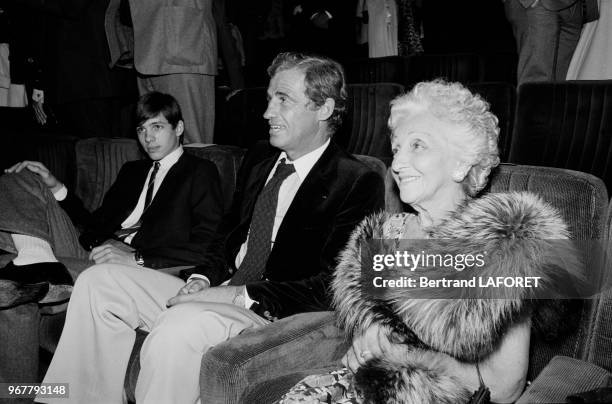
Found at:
[520, 234]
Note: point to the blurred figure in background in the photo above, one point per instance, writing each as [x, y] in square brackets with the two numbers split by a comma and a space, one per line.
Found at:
[546, 34]
[174, 50]
[592, 59]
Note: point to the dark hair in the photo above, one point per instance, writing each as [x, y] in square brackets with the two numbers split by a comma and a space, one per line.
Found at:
[154, 103]
[324, 78]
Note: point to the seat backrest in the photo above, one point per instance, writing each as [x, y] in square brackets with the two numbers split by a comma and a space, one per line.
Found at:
[374, 163]
[56, 153]
[502, 98]
[98, 163]
[227, 159]
[389, 69]
[565, 124]
[365, 130]
[582, 200]
[243, 123]
[461, 67]
[598, 347]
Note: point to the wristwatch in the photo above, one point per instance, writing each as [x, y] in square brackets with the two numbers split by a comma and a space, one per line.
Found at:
[139, 258]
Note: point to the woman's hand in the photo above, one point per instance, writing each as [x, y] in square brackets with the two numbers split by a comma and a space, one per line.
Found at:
[373, 343]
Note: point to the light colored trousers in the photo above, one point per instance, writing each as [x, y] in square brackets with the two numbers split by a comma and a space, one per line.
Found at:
[108, 303]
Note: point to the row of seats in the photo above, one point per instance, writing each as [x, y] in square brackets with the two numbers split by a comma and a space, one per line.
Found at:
[581, 198]
[556, 124]
[364, 130]
[408, 70]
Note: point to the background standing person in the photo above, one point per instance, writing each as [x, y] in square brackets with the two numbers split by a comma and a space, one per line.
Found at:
[546, 34]
[174, 50]
[592, 59]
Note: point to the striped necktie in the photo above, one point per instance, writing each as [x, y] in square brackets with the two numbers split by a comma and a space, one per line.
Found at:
[122, 234]
[151, 185]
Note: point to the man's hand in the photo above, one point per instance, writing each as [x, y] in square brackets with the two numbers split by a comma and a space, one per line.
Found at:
[194, 286]
[113, 254]
[38, 168]
[218, 294]
[373, 343]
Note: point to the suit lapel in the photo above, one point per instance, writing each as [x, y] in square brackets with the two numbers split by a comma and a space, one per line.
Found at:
[175, 175]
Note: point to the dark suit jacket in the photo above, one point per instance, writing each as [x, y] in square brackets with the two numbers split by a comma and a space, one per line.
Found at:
[178, 225]
[336, 195]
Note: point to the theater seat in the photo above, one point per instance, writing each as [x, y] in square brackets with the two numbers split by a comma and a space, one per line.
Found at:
[565, 124]
[365, 129]
[98, 163]
[389, 69]
[502, 98]
[461, 67]
[243, 122]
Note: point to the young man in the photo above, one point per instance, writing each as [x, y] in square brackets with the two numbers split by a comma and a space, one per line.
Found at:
[294, 209]
[160, 212]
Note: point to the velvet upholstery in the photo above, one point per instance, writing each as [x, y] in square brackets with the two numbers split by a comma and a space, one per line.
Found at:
[461, 67]
[375, 70]
[502, 98]
[565, 124]
[57, 153]
[582, 200]
[365, 130]
[227, 159]
[564, 376]
[98, 163]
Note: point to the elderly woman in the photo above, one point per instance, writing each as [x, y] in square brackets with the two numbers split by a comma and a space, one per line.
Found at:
[407, 348]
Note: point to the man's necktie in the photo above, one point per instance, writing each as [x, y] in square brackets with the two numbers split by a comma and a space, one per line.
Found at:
[260, 235]
[151, 185]
[122, 234]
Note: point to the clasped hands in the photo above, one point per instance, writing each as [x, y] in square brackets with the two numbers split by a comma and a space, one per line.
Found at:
[199, 290]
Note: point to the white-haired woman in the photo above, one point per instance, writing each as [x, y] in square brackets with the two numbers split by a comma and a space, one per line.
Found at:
[408, 347]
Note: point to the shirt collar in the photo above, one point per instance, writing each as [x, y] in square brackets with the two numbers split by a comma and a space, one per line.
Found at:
[304, 164]
[171, 158]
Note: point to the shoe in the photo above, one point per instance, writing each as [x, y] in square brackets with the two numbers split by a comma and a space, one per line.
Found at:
[19, 284]
[53, 272]
[14, 294]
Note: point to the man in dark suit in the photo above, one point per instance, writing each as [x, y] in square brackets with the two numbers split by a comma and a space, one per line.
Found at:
[161, 212]
[546, 34]
[294, 210]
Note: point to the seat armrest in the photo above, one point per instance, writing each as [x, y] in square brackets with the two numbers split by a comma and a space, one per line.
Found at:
[303, 343]
[562, 377]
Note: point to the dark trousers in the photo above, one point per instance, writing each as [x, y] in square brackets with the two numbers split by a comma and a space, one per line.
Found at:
[545, 39]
